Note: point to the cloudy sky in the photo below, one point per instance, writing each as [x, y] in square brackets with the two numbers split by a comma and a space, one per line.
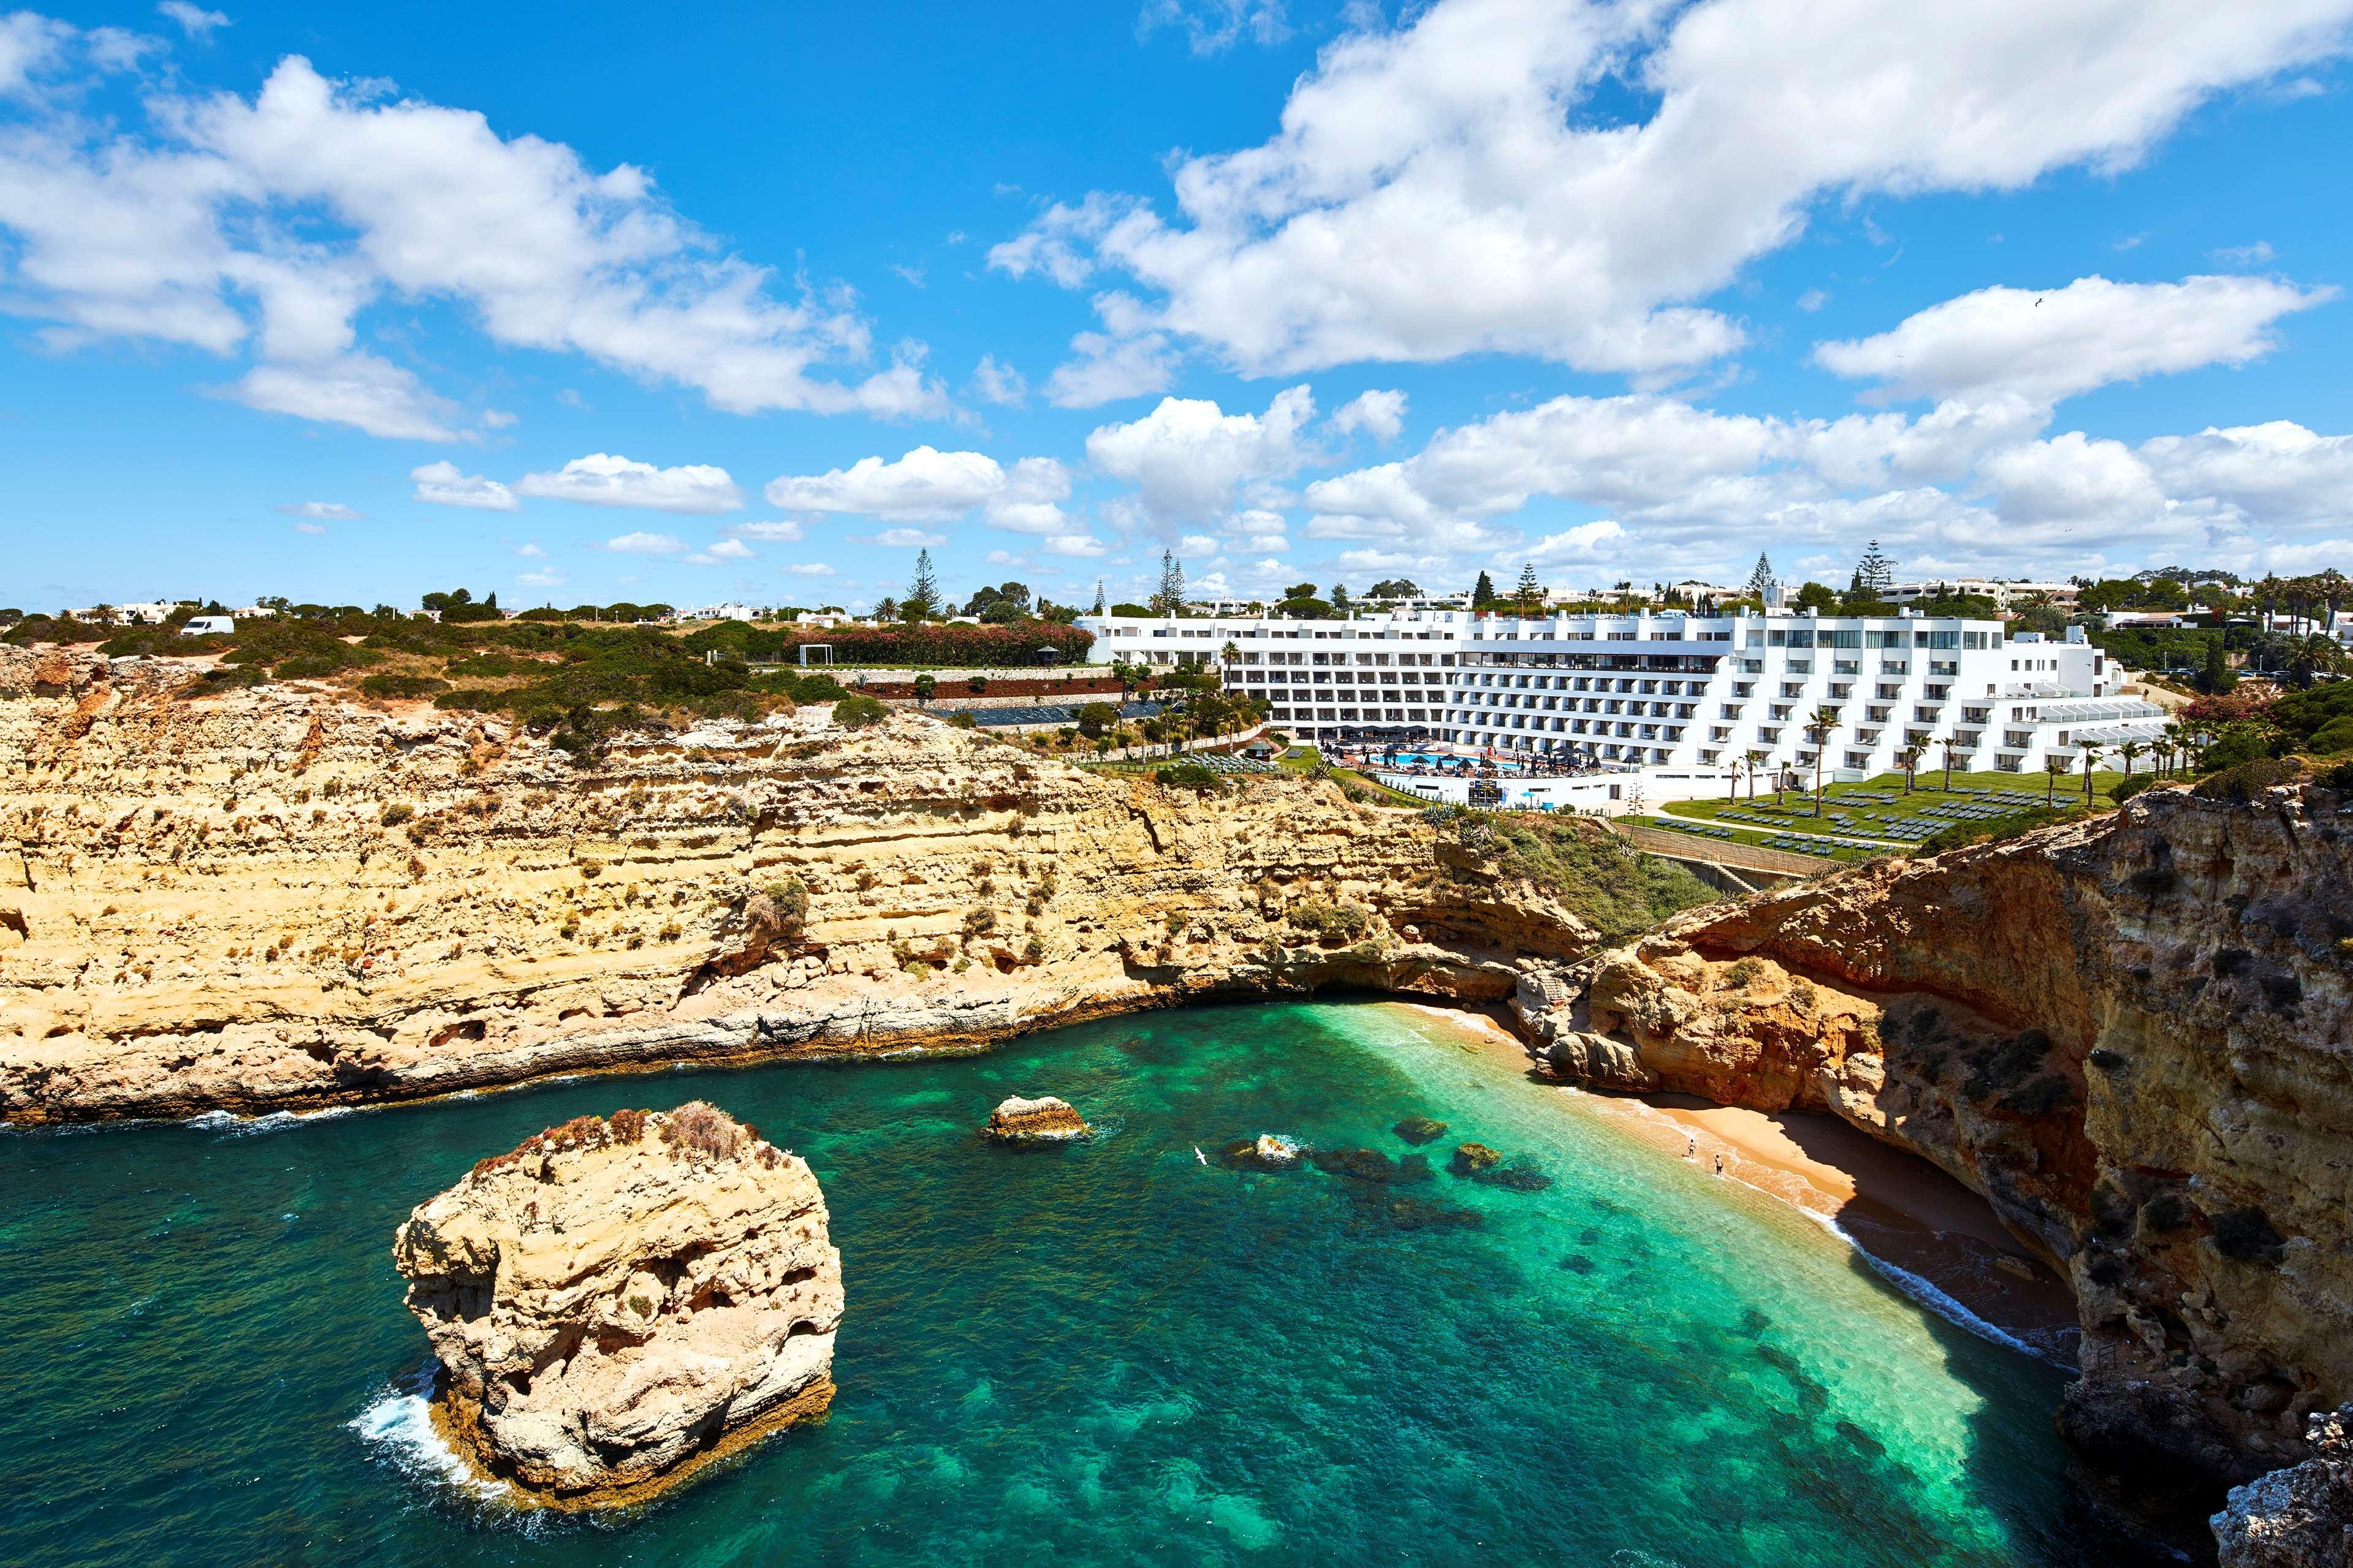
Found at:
[352, 303]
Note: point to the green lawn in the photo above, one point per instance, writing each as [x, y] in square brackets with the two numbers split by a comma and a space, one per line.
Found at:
[1876, 817]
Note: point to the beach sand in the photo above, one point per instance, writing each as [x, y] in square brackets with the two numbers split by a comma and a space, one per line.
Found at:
[1895, 1206]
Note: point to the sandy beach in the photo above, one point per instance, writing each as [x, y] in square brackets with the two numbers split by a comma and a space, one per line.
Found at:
[1896, 1207]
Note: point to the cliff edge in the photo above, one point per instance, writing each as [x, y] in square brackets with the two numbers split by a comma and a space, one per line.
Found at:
[2132, 1034]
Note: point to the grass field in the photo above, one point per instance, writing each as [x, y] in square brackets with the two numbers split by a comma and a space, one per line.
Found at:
[1876, 817]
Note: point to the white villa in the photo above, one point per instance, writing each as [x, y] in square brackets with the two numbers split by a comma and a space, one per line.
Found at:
[1652, 690]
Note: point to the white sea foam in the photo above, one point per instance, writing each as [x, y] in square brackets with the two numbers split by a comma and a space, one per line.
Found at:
[398, 1427]
[1929, 1295]
[237, 1126]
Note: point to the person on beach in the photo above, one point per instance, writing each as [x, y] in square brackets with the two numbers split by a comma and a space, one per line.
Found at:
[1692, 1152]
[1719, 1164]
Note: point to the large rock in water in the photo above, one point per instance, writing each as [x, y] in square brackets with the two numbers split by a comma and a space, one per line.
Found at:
[2300, 1517]
[1044, 1120]
[614, 1304]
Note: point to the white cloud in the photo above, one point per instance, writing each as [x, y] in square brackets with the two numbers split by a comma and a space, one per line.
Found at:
[544, 577]
[572, 399]
[326, 510]
[1212, 26]
[193, 20]
[809, 569]
[723, 550]
[499, 419]
[310, 528]
[899, 538]
[2051, 345]
[1076, 544]
[1812, 299]
[442, 484]
[530, 551]
[1464, 181]
[930, 486]
[268, 225]
[1188, 456]
[1586, 542]
[1380, 414]
[603, 478]
[1110, 367]
[642, 544]
[784, 532]
[913, 276]
[2256, 255]
[998, 384]
[2276, 475]
[360, 390]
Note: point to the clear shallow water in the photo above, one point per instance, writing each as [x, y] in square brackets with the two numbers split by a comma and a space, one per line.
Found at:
[1107, 1354]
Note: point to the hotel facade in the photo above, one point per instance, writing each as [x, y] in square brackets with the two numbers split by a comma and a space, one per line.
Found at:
[1647, 691]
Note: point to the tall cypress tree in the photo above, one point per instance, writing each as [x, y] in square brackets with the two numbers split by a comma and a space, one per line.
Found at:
[1483, 593]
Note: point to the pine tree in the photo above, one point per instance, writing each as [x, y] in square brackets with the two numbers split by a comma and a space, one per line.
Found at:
[1531, 591]
[1170, 599]
[923, 593]
[1761, 581]
[1483, 594]
[1876, 574]
[1099, 597]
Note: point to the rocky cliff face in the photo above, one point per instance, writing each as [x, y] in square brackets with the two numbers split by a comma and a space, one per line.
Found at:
[614, 1304]
[275, 898]
[2135, 1036]
[2299, 1517]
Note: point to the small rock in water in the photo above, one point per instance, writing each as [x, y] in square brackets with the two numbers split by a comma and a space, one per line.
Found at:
[1267, 1152]
[1419, 1129]
[615, 1304]
[1045, 1119]
[1470, 1159]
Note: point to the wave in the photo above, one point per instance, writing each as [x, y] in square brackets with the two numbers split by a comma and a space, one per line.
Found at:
[397, 1427]
[236, 1126]
[1930, 1295]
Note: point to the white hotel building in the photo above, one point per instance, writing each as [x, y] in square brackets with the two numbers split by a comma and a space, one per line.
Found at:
[1663, 689]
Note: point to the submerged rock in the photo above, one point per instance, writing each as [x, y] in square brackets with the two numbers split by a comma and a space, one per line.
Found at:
[1044, 1120]
[1421, 1213]
[1371, 1166]
[1483, 1164]
[615, 1304]
[1419, 1129]
[2300, 1517]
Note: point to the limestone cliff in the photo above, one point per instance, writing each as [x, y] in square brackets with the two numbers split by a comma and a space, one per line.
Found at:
[2134, 1035]
[272, 898]
[616, 1303]
[2298, 1516]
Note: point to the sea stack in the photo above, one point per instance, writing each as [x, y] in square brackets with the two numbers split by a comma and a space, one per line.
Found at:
[1044, 1120]
[616, 1303]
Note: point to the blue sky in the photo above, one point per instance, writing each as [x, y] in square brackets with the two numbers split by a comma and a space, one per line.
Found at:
[351, 306]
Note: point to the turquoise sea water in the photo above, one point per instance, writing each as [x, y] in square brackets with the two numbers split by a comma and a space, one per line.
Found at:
[1105, 1354]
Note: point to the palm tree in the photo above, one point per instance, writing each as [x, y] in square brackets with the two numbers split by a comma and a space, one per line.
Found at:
[2054, 767]
[1908, 759]
[2128, 751]
[1733, 773]
[1755, 762]
[2091, 750]
[1952, 748]
[1824, 720]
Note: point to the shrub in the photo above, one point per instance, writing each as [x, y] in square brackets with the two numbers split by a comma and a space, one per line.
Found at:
[1743, 974]
[1095, 718]
[698, 1126]
[1338, 920]
[402, 686]
[2127, 788]
[2241, 784]
[396, 813]
[859, 712]
[1189, 775]
[979, 922]
[962, 718]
